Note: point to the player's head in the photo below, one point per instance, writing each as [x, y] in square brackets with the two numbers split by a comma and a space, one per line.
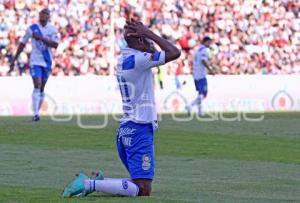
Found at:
[139, 43]
[207, 41]
[44, 16]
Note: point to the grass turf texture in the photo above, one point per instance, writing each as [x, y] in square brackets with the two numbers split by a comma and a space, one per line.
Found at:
[197, 161]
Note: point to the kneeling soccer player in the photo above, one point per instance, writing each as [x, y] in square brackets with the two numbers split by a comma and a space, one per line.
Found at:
[135, 135]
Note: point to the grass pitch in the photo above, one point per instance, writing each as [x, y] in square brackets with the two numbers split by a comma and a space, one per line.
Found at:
[197, 161]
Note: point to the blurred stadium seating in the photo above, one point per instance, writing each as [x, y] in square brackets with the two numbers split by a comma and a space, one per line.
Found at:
[251, 37]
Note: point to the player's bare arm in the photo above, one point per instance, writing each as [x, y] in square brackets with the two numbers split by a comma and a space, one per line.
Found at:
[48, 42]
[206, 64]
[12, 63]
[140, 30]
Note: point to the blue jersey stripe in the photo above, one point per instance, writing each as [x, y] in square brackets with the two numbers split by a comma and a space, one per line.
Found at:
[128, 63]
[123, 89]
[155, 56]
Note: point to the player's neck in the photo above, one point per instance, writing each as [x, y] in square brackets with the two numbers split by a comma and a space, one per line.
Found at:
[43, 23]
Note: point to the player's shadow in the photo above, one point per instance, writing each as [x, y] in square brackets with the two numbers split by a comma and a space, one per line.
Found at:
[116, 198]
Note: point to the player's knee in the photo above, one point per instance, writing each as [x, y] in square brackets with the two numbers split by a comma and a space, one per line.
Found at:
[144, 194]
[144, 188]
[37, 84]
[144, 191]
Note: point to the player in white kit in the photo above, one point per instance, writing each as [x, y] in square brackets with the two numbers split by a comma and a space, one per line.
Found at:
[44, 36]
[135, 135]
[200, 66]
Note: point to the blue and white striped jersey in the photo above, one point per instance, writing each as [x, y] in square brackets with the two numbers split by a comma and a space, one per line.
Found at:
[41, 54]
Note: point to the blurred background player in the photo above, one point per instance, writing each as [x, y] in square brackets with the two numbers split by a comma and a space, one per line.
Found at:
[135, 135]
[160, 77]
[200, 67]
[44, 37]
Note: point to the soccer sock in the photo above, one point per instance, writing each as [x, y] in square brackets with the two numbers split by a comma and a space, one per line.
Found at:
[36, 100]
[200, 105]
[200, 108]
[112, 186]
[197, 101]
[194, 102]
[42, 96]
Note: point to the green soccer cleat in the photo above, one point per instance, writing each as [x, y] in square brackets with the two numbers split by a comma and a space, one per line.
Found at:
[76, 187]
[95, 176]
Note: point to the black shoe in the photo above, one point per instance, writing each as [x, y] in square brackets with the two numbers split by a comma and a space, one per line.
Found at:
[36, 118]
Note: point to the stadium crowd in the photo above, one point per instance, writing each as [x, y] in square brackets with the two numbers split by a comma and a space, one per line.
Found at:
[250, 37]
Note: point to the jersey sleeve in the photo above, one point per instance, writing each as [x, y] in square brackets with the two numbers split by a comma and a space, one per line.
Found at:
[145, 60]
[27, 36]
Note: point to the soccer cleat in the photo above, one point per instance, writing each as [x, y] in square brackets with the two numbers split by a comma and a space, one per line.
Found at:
[76, 187]
[35, 118]
[95, 176]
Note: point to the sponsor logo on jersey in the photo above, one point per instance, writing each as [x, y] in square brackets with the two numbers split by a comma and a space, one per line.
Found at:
[125, 184]
[126, 131]
[123, 133]
[126, 141]
[146, 165]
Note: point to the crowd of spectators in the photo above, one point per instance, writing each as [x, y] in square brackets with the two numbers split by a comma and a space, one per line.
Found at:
[250, 36]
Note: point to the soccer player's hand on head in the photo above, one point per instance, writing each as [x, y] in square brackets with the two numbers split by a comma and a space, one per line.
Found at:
[138, 28]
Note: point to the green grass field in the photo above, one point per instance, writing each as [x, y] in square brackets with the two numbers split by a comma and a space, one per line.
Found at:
[197, 161]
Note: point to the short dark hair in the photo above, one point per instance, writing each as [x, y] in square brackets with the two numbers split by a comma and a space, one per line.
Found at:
[45, 11]
[206, 38]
